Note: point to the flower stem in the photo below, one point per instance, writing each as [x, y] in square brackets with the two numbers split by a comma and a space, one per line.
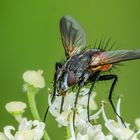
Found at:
[18, 118]
[70, 129]
[68, 132]
[32, 104]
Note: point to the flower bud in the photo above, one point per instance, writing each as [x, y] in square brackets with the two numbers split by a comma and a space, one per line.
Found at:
[34, 78]
[15, 107]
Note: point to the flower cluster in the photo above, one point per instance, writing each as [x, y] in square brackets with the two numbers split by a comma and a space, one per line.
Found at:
[62, 118]
[27, 130]
[77, 129]
[84, 129]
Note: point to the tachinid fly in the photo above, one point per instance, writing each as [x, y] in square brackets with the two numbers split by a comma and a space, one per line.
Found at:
[85, 66]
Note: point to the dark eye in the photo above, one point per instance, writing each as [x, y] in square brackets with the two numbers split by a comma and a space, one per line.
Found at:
[71, 78]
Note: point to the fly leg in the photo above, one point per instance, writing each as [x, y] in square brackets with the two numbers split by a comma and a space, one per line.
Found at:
[62, 102]
[52, 100]
[96, 77]
[57, 66]
[89, 94]
[114, 78]
[75, 103]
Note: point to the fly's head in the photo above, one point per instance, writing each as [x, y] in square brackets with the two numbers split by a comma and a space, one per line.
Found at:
[64, 79]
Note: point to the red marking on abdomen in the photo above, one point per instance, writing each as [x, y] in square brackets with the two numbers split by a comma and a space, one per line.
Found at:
[106, 67]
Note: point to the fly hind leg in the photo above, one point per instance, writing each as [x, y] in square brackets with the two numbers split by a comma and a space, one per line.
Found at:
[114, 78]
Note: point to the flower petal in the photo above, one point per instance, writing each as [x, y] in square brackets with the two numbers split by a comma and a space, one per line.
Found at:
[82, 137]
[7, 132]
[2, 136]
[137, 122]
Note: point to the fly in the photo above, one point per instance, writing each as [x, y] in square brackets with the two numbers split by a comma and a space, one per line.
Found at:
[85, 66]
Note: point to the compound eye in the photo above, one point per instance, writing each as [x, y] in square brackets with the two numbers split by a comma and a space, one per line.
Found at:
[71, 78]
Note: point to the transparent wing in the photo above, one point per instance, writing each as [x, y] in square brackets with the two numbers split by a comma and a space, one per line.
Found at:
[73, 36]
[111, 57]
[120, 55]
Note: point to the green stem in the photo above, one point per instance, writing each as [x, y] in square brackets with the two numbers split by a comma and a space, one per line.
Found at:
[18, 118]
[32, 104]
[68, 132]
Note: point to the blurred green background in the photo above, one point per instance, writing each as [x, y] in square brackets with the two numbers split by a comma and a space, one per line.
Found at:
[30, 39]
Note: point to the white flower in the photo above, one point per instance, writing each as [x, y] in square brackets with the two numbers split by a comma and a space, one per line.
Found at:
[62, 118]
[81, 110]
[117, 129]
[82, 137]
[94, 132]
[15, 107]
[85, 130]
[34, 78]
[27, 130]
[83, 101]
[91, 132]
